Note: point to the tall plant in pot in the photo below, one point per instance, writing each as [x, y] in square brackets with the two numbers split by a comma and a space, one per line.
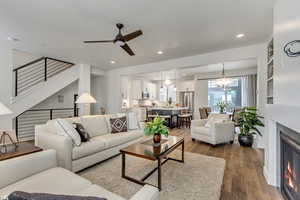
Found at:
[156, 128]
[248, 123]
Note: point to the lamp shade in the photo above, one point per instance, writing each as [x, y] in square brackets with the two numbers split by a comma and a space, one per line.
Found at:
[4, 110]
[86, 98]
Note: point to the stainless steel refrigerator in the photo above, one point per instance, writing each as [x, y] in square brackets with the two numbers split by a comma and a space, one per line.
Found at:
[186, 99]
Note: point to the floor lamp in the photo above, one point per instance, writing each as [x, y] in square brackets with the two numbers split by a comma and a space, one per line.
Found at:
[5, 138]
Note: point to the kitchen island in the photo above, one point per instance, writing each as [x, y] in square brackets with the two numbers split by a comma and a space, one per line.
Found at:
[173, 112]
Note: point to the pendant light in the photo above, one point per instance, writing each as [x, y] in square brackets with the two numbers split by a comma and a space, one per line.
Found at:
[175, 87]
[161, 82]
[223, 82]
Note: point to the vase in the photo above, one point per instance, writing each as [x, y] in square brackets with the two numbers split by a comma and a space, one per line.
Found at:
[246, 140]
[156, 139]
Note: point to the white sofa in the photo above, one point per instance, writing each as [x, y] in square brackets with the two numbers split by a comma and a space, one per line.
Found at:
[221, 129]
[38, 173]
[101, 146]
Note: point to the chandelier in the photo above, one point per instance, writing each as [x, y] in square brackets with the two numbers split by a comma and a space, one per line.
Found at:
[223, 82]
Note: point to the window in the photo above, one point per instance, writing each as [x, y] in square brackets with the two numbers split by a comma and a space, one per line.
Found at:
[232, 94]
[167, 92]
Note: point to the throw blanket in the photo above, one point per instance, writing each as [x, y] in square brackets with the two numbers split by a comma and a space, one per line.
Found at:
[44, 196]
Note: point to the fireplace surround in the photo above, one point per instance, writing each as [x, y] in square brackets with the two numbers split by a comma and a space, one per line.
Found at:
[289, 163]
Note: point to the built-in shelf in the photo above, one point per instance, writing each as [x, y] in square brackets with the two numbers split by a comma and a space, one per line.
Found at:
[270, 73]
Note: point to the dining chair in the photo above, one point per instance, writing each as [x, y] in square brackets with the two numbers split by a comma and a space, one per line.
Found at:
[203, 113]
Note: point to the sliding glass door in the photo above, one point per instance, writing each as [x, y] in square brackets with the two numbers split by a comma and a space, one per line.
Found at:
[231, 94]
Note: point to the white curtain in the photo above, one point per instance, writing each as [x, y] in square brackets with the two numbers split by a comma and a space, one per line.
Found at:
[249, 87]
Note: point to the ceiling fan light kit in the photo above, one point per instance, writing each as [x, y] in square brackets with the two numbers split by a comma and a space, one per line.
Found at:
[121, 40]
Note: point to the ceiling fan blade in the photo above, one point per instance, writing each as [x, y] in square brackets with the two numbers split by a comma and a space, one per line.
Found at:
[99, 41]
[127, 49]
[132, 35]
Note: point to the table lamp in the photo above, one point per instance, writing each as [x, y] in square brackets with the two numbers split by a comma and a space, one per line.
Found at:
[4, 135]
[85, 98]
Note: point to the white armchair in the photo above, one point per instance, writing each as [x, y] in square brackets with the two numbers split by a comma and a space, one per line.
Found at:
[220, 131]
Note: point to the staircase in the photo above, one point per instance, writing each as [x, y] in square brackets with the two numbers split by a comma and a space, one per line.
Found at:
[35, 82]
[38, 80]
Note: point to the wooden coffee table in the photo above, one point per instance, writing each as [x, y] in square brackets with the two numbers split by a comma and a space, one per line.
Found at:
[22, 149]
[146, 150]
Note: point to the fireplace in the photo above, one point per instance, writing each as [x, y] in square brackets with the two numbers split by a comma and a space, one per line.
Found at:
[290, 163]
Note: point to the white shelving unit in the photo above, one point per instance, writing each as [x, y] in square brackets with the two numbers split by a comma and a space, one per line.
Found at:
[270, 73]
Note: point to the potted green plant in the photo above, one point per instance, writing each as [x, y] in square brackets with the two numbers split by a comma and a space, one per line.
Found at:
[156, 128]
[248, 121]
[222, 106]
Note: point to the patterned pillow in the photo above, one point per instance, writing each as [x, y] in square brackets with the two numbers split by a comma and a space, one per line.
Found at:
[118, 124]
[84, 136]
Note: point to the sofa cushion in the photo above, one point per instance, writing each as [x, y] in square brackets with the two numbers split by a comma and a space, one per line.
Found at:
[56, 181]
[68, 130]
[216, 118]
[51, 127]
[112, 140]
[95, 125]
[97, 191]
[88, 148]
[201, 130]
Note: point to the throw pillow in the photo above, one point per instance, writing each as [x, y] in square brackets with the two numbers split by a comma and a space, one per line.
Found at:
[118, 124]
[18, 195]
[66, 129]
[84, 136]
[95, 125]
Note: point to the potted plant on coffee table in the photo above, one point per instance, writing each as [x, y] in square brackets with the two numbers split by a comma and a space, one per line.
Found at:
[156, 128]
[248, 121]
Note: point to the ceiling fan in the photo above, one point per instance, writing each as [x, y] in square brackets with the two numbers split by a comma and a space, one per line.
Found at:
[121, 39]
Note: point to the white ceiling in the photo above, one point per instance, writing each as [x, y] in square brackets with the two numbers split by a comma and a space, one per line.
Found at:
[189, 72]
[180, 28]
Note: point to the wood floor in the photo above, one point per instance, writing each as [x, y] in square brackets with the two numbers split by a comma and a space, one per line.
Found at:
[243, 179]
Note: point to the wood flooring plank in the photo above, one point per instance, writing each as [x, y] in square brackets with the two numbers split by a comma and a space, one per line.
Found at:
[243, 177]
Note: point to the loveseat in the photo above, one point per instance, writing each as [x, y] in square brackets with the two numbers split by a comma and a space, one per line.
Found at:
[39, 173]
[102, 145]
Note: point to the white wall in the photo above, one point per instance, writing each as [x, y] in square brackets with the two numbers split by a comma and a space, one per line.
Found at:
[201, 96]
[5, 80]
[185, 85]
[287, 69]
[114, 76]
[68, 97]
[98, 91]
[21, 58]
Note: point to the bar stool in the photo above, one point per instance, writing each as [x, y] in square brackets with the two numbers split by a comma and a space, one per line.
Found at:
[184, 119]
[150, 115]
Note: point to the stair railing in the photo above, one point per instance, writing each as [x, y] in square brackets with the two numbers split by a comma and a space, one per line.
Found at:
[39, 70]
[26, 121]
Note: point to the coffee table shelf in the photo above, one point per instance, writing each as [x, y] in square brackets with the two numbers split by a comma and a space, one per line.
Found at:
[146, 150]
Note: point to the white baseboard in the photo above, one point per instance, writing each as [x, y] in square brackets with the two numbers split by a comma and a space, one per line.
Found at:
[266, 173]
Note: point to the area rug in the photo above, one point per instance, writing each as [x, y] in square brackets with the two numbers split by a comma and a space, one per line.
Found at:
[199, 178]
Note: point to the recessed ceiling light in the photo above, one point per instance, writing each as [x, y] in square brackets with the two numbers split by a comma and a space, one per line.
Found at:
[240, 35]
[13, 39]
[112, 62]
[160, 52]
